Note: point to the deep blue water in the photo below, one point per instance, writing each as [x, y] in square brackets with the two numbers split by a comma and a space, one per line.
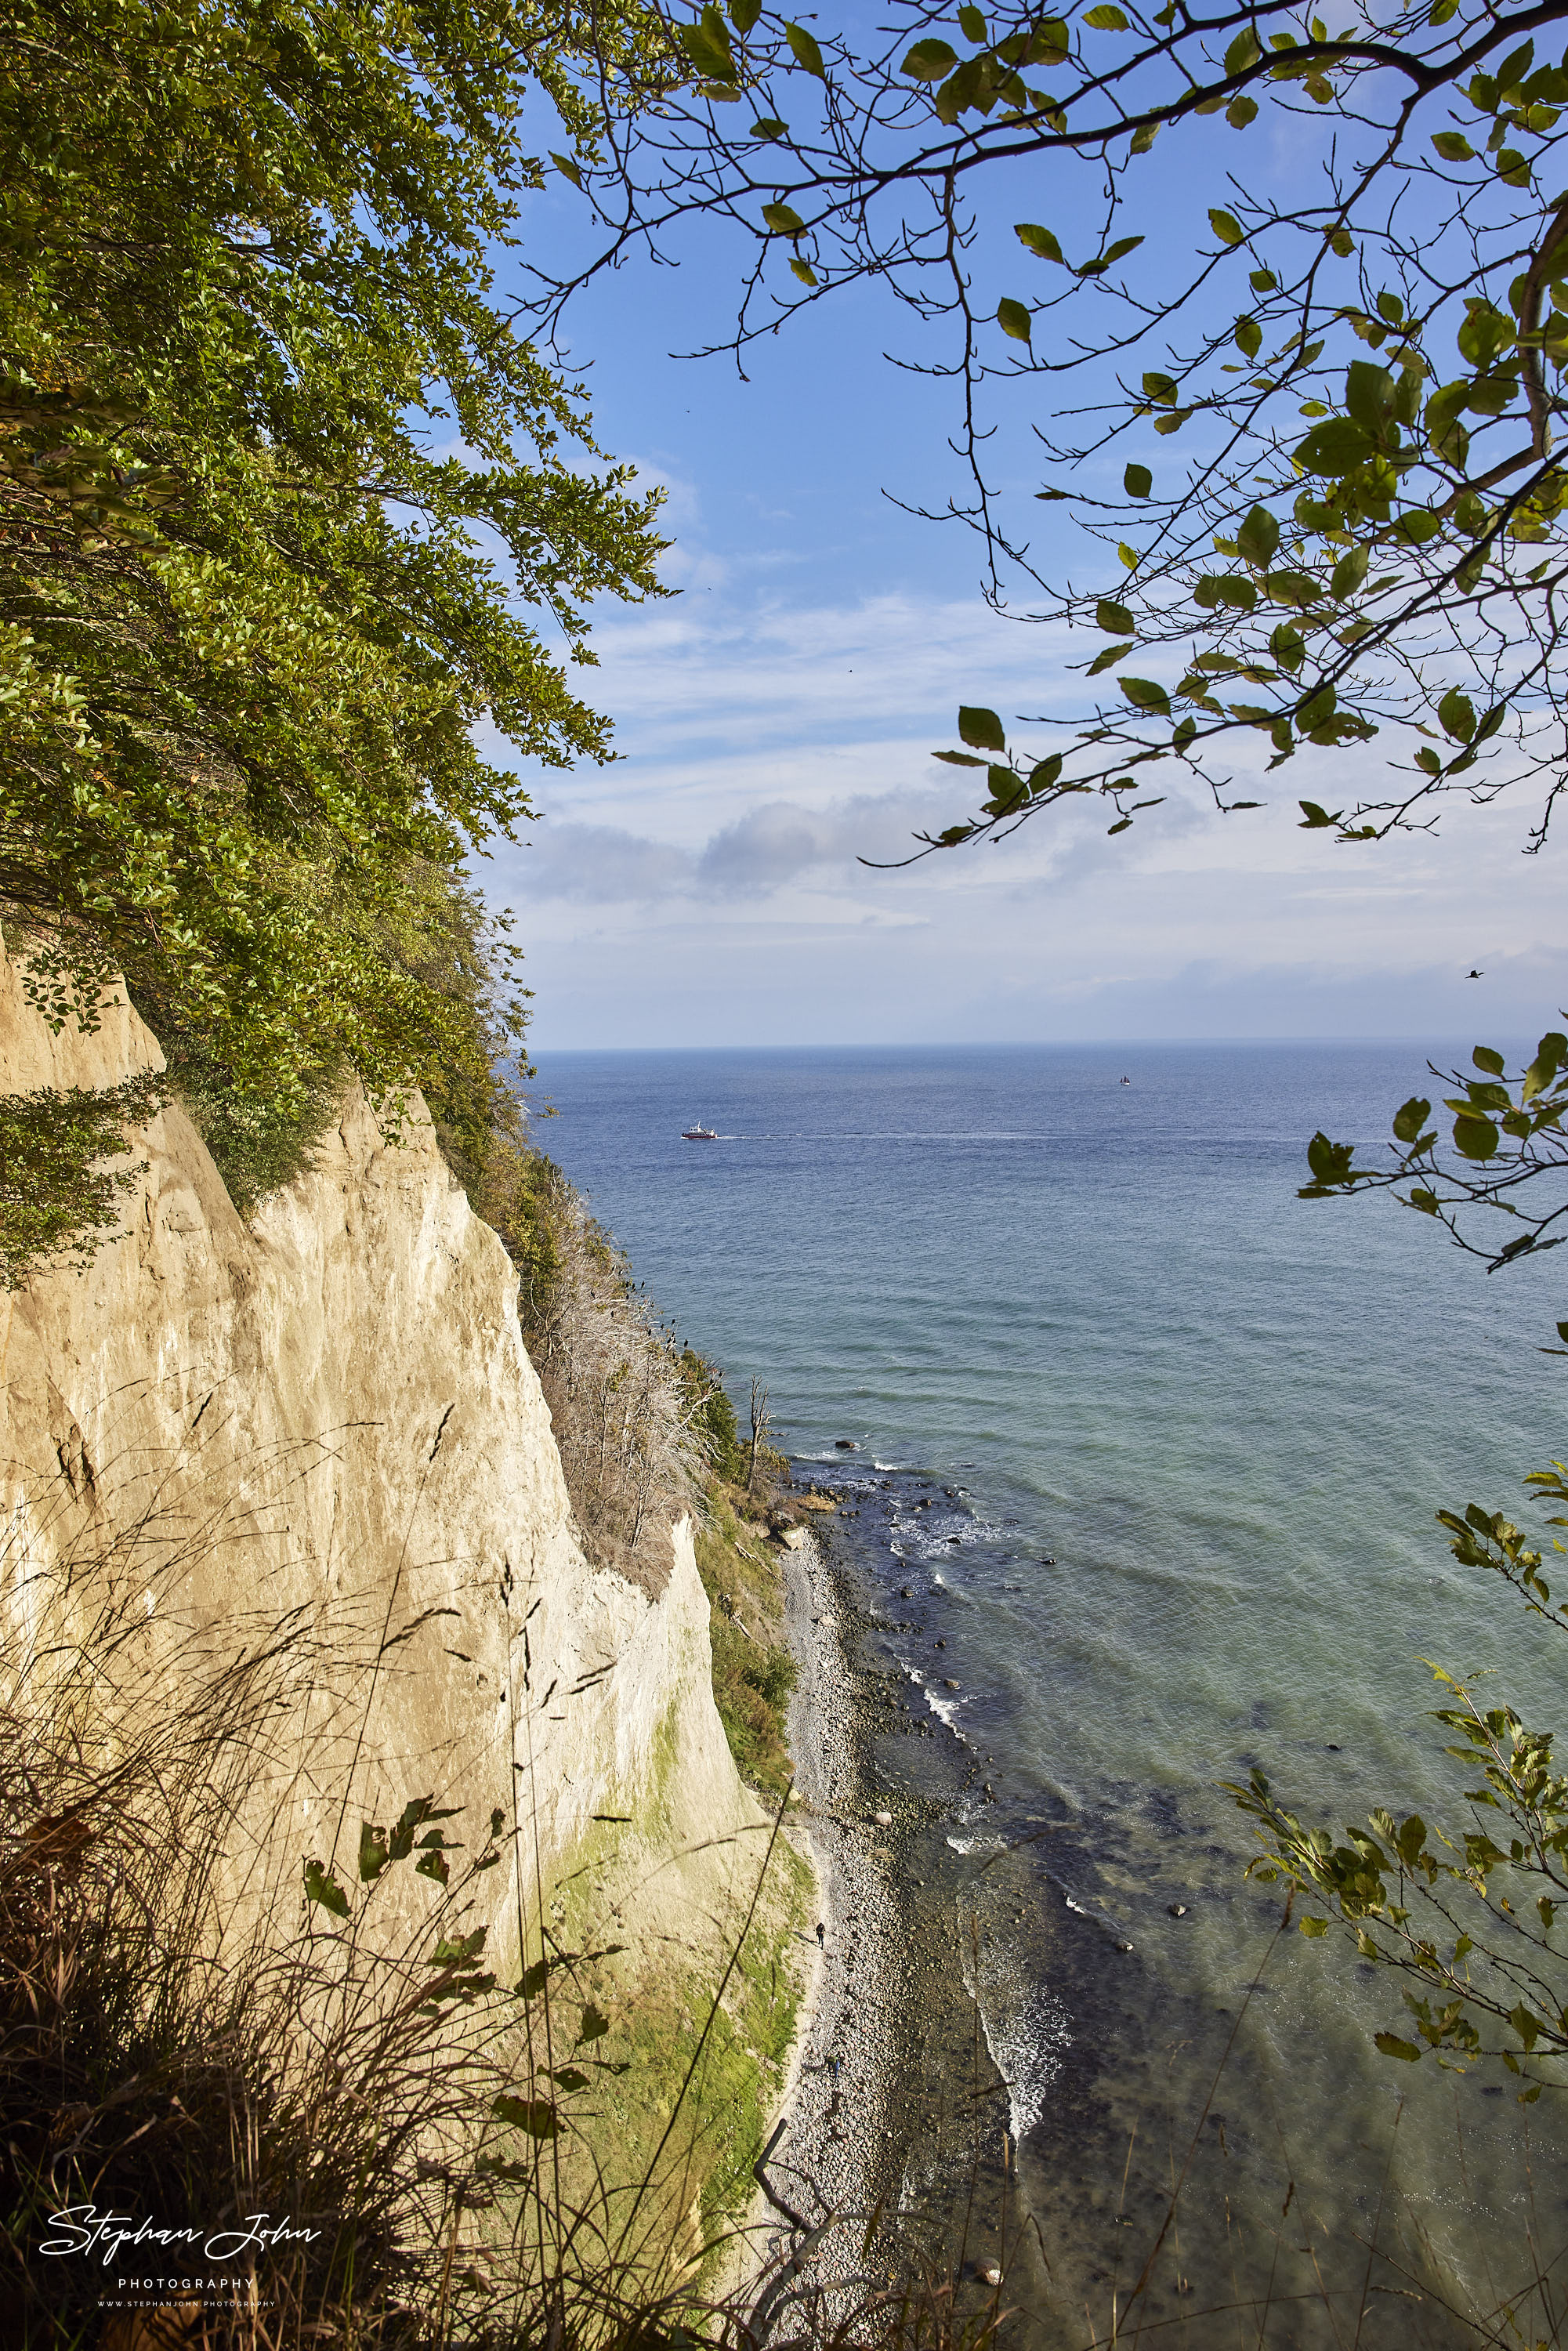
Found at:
[1224, 1416]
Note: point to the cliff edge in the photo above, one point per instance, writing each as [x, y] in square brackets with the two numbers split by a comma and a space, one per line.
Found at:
[319, 1427]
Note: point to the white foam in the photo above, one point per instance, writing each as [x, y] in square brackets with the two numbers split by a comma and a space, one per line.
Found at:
[1025, 2025]
[945, 1708]
[1026, 2038]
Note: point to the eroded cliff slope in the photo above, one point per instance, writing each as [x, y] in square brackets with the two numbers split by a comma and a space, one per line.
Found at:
[319, 1427]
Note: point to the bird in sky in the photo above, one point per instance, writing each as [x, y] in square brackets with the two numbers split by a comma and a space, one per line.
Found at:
[1475, 974]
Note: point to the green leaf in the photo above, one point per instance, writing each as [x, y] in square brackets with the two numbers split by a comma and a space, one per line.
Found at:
[373, 1854]
[1312, 1928]
[1039, 240]
[1259, 538]
[1119, 826]
[1392, 2046]
[1549, 1056]
[1349, 574]
[1330, 1162]
[1013, 319]
[1045, 773]
[784, 218]
[1488, 1058]
[1160, 388]
[1115, 618]
[982, 728]
[1240, 112]
[1477, 1138]
[803, 271]
[1114, 253]
[1485, 333]
[1314, 817]
[1453, 146]
[805, 50]
[972, 24]
[534, 2115]
[1105, 18]
[1137, 481]
[1336, 446]
[1225, 226]
[1144, 694]
[707, 47]
[1371, 394]
[1248, 338]
[744, 14]
[1526, 2025]
[958, 758]
[769, 127]
[326, 1890]
[930, 61]
[1244, 50]
[1410, 1119]
[1457, 716]
[567, 168]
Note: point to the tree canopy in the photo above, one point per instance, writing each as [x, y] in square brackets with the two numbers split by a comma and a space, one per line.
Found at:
[1356, 533]
[288, 510]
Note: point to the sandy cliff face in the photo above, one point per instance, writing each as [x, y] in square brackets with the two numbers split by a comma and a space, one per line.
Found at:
[324, 1420]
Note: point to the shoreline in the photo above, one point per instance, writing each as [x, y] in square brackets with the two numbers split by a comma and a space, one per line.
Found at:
[837, 2153]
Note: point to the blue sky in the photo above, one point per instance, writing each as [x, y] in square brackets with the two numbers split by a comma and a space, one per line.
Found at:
[776, 720]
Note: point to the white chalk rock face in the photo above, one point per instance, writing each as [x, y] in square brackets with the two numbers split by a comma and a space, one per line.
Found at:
[320, 1427]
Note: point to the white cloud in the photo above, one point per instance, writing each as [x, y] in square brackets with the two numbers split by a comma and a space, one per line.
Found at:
[706, 887]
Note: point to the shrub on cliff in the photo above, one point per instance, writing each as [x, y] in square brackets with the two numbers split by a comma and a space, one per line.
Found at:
[286, 509]
[625, 1418]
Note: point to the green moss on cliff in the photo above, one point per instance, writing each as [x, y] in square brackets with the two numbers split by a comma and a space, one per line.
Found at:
[688, 2074]
[753, 1671]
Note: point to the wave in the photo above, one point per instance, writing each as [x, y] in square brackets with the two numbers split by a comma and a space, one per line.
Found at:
[1025, 2025]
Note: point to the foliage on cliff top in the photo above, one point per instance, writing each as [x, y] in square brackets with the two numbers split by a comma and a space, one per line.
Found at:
[286, 510]
[64, 1165]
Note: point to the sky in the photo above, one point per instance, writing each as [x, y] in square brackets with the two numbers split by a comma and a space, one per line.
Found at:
[774, 720]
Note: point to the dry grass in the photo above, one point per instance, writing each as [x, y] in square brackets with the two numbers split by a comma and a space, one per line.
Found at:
[191, 2036]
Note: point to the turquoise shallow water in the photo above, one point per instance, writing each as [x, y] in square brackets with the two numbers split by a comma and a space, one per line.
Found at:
[1196, 1431]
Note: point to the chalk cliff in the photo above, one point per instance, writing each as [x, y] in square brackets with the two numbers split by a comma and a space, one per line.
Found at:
[320, 1425]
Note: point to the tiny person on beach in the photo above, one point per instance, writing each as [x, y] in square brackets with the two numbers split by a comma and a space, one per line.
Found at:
[821, 1937]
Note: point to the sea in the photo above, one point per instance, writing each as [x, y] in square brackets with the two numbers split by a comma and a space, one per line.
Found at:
[1139, 1455]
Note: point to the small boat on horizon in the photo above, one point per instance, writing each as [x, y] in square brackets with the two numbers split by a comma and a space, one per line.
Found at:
[699, 1133]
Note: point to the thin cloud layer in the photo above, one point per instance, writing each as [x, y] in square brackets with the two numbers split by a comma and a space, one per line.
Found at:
[708, 886]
